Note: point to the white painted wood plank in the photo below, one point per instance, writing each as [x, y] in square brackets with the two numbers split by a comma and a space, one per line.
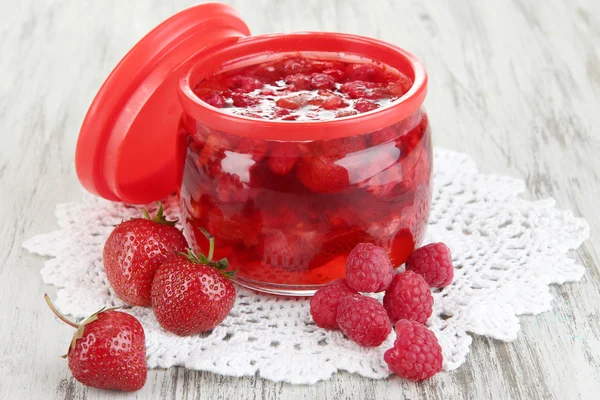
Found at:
[516, 84]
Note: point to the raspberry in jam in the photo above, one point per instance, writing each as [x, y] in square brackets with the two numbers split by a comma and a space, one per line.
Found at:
[297, 88]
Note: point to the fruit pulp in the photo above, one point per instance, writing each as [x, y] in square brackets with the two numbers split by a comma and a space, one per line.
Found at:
[298, 88]
[287, 213]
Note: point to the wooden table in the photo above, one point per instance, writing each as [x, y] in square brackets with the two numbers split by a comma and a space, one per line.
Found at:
[514, 84]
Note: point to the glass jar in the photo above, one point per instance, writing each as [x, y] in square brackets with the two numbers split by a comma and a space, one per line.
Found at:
[361, 178]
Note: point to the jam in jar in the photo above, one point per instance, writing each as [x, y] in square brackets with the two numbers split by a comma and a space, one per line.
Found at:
[286, 211]
[290, 149]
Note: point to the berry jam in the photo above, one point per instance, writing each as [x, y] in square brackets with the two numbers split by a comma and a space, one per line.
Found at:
[297, 88]
[288, 212]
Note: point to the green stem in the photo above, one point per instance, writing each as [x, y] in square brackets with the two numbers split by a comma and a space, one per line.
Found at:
[57, 313]
[211, 243]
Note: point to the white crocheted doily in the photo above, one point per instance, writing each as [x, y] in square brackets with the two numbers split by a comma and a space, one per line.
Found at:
[506, 252]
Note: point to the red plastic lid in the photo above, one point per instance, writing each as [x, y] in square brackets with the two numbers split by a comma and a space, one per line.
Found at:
[128, 147]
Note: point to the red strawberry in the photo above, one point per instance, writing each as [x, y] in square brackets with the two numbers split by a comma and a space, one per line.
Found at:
[256, 147]
[322, 175]
[386, 134]
[211, 155]
[333, 102]
[108, 350]
[339, 148]
[134, 251]
[400, 87]
[293, 102]
[340, 242]
[192, 294]
[229, 188]
[283, 157]
[288, 251]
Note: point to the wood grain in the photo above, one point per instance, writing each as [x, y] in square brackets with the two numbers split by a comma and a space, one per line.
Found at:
[516, 84]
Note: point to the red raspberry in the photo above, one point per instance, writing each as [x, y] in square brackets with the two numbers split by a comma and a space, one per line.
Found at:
[244, 100]
[363, 319]
[408, 297]
[368, 268]
[364, 72]
[434, 263]
[244, 84]
[299, 81]
[215, 100]
[324, 304]
[322, 81]
[416, 354]
[363, 106]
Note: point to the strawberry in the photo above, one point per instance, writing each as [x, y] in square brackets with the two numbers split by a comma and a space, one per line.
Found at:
[386, 134]
[133, 252]
[211, 155]
[283, 157]
[340, 242]
[292, 102]
[289, 251]
[192, 293]
[229, 188]
[322, 175]
[339, 148]
[256, 147]
[108, 350]
[401, 86]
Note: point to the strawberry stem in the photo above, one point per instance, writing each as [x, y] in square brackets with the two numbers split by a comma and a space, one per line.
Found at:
[159, 218]
[211, 243]
[58, 314]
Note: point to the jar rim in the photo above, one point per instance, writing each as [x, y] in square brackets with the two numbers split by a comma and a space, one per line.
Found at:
[252, 46]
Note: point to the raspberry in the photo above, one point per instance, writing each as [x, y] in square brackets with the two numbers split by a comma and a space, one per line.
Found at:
[408, 297]
[299, 81]
[215, 100]
[243, 100]
[365, 72]
[368, 268]
[434, 263]
[322, 81]
[363, 319]
[416, 354]
[324, 304]
[363, 106]
[244, 84]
